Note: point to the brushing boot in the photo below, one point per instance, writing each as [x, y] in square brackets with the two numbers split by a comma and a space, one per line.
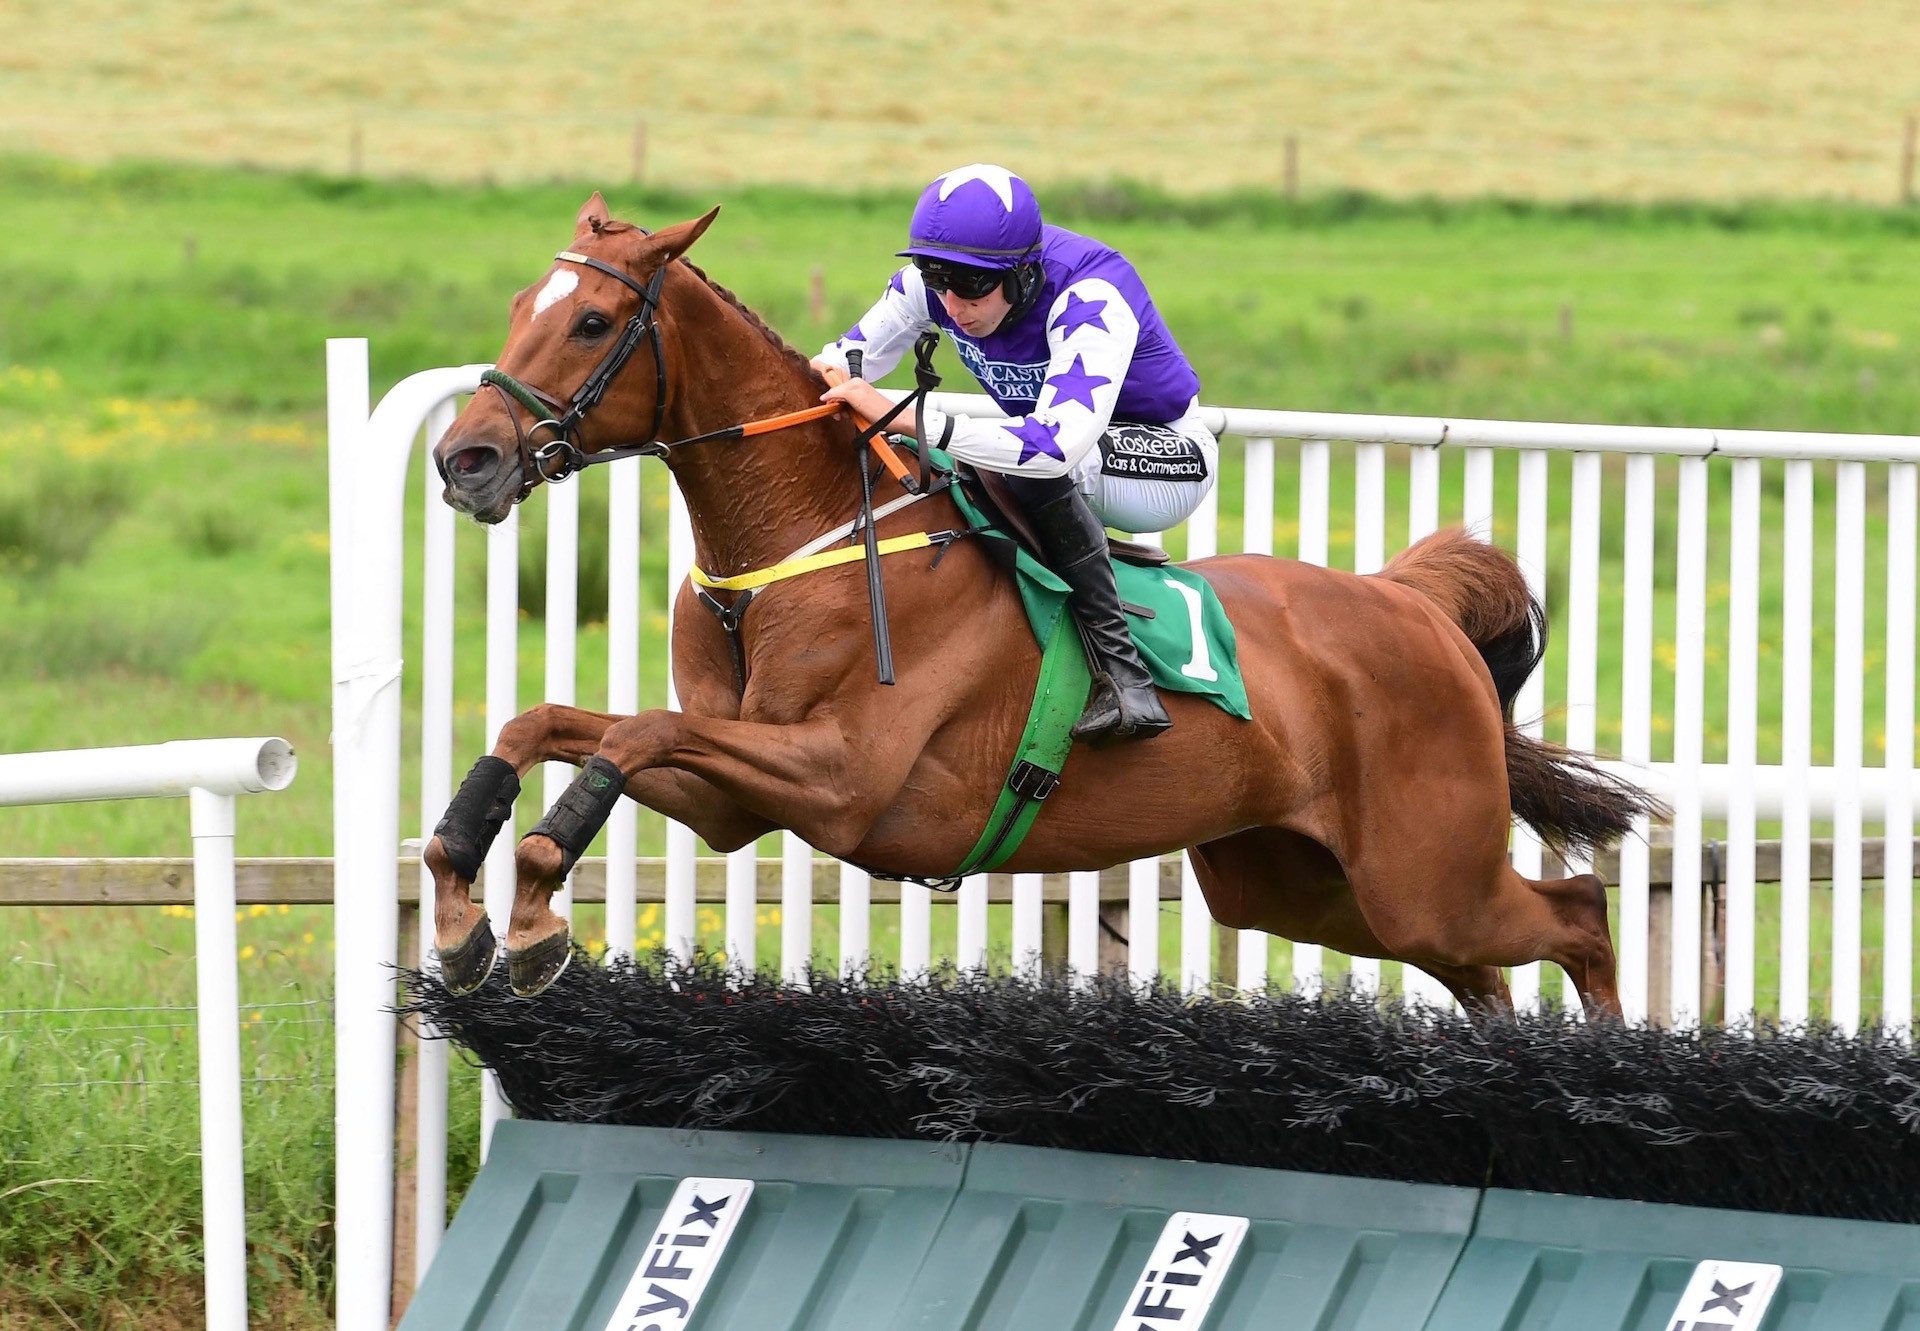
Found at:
[1124, 703]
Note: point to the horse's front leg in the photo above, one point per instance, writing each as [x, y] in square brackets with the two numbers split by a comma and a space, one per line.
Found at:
[479, 809]
[547, 733]
[734, 778]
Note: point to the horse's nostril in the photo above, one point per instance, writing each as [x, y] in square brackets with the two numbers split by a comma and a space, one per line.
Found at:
[469, 460]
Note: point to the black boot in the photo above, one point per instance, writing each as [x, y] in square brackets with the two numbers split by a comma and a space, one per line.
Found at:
[1124, 703]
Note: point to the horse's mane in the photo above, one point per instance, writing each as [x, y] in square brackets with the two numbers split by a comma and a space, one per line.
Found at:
[780, 344]
[799, 361]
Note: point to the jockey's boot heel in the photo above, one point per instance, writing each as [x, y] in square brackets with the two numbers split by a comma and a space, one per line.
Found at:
[1124, 703]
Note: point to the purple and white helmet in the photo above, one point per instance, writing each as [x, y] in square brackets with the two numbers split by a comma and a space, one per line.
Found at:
[982, 216]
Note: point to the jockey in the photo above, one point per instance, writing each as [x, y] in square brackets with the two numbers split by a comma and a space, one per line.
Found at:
[1105, 426]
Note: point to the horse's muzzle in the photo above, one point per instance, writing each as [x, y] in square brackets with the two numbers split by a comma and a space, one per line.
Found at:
[481, 480]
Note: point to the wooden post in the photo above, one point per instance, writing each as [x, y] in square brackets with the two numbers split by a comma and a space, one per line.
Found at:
[1659, 949]
[639, 150]
[1226, 956]
[1113, 930]
[1290, 176]
[1908, 146]
[1053, 938]
[406, 1116]
[817, 294]
[1566, 323]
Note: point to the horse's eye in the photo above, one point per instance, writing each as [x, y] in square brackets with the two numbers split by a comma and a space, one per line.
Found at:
[591, 326]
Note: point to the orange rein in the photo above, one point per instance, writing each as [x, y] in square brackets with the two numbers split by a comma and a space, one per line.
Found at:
[881, 449]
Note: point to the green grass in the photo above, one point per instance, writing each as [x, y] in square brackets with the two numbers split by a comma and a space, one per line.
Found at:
[163, 551]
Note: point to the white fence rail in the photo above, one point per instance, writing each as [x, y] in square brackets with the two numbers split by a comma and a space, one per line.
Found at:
[210, 773]
[1663, 549]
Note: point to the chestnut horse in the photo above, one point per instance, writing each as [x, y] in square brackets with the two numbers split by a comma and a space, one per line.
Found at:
[1366, 806]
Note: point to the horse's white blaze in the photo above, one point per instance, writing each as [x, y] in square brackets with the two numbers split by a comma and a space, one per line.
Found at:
[558, 288]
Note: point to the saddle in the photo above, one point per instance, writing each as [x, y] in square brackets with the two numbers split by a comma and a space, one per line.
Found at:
[987, 490]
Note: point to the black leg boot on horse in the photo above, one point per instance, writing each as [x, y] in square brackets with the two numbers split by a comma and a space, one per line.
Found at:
[1124, 703]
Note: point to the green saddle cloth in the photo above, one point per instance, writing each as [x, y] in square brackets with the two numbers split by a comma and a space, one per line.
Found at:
[1182, 656]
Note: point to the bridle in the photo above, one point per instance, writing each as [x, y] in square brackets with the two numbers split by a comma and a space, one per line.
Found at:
[562, 456]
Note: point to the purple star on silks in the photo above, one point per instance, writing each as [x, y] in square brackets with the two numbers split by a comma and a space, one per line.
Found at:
[897, 282]
[854, 334]
[1074, 384]
[1036, 438]
[1079, 314]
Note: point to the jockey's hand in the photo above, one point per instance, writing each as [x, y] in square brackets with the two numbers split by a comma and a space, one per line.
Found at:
[821, 365]
[865, 400]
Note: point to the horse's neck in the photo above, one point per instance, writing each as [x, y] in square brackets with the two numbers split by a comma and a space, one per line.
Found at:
[752, 501]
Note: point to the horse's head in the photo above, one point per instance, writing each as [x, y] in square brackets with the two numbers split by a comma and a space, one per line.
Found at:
[563, 383]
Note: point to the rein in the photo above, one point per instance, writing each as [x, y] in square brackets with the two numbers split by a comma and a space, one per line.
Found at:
[562, 456]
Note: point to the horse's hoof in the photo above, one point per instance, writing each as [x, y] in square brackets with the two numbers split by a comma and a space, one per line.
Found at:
[466, 966]
[530, 970]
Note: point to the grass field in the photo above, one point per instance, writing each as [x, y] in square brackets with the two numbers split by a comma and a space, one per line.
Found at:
[163, 553]
[1705, 98]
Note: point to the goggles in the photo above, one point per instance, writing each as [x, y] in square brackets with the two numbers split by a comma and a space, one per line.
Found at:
[963, 280]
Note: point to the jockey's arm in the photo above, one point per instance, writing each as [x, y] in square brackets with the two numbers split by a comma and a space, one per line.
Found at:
[1091, 333]
[883, 334]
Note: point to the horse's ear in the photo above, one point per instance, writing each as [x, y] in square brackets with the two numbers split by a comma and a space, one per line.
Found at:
[670, 242]
[593, 215]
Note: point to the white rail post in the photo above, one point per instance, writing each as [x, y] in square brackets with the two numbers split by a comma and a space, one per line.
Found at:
[1849, 647]
[216, 965]
[1903, 496]
[970, 933]
[1143, 921]
[209, 773]
[1636, 730]
[1316, 483]
[623, 691]
[1796, 745]
[1690, 647]
[436, 790]
[796, 908]
[1527, 857]
[680, 923]
[366, 909]
[1196, 920]
[1256, 538]
[1369, 555]
[562, 630]
[1027, 924]
[1083, 924]
[856, 906]
[1743, 650]
[1583, 620]
[503, 665]
[1423, 518]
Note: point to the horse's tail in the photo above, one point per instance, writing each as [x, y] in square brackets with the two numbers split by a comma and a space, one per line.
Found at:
[1562, 795]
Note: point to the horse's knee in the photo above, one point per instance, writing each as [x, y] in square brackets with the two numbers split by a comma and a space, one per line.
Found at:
[640, 742]
[525, 737]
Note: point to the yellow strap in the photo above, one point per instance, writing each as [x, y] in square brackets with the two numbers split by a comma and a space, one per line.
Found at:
[793, 568]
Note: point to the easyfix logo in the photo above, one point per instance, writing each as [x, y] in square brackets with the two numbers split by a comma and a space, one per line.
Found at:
[680, 1258]
[1184, 1272]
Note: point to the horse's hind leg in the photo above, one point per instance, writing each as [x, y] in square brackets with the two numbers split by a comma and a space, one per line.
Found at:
[1583, 946]
[1478, 988]
[1562, 920]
